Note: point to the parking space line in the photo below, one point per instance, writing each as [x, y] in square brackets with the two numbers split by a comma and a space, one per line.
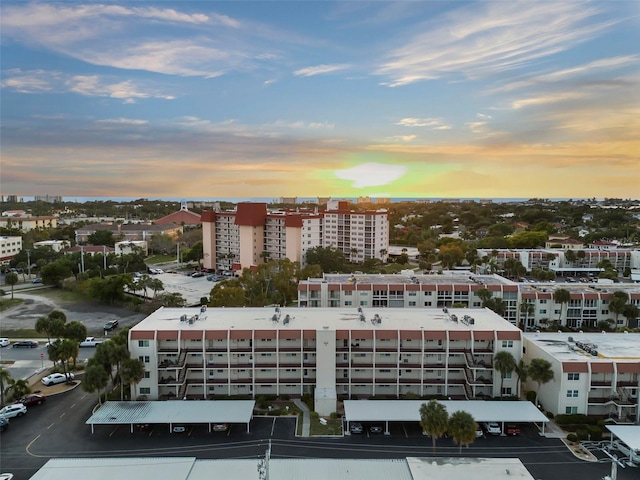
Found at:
[73, 405]
[273, 425]
[229, 431]
[63, 414]
[114, 431]
[50, 426]
[405, 431]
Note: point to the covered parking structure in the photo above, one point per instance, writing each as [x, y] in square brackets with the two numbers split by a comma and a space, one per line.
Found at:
[409, 411]
[205, 412]
[629, 435]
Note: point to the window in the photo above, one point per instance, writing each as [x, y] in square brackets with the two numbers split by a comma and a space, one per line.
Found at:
[147, 374]
[145, 390]
[143, 343]
[144, 358]
[506, 391]
[573, 376]
[572, 393]
[507, 343]
[570, 410]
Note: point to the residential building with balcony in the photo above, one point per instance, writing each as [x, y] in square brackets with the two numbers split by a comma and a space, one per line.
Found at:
[26, 223]
[594, 373]
[204, 353]
[9, 248]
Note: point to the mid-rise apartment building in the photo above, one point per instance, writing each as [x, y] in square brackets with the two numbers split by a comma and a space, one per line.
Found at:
[251, 234]
[26, 223]
[528, 305]
[204, 353]
[9, 248]
[594, 373]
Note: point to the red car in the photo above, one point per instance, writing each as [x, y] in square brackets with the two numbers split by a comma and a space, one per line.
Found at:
[32, 399]
[512, 430]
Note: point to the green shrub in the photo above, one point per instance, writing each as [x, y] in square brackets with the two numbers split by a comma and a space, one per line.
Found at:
[314, 415]
[572, 437]
[334, 415]
[595, 433]
[550, 415]
[531, 396]
[285, 397]
[582, 434]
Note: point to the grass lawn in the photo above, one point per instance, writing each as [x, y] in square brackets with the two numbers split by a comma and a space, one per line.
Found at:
[155, 259]
[21, 333]
[61, 296]
[333, 427]
[8, 303]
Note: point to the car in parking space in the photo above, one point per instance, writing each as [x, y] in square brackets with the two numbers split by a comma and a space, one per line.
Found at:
[375, 429]
[56, 378]
[13, 410]
[36, 280]
[4, 342]
[25, 344]
[220, 427]
[179, 429]
[492, 428]
[479, 432]
[511, 429]
[355, 427]
[197, 274]
[32, 399]
[110, 325]
[4, 424]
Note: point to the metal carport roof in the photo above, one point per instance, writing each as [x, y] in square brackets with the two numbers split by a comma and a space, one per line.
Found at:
[628, 434]
[409, 410]
[173, 412]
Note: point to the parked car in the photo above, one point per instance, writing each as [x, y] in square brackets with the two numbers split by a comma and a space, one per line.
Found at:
[4, 424]
[512, 429]
[90, 342]
[355, 427]
[220, 427]
[4, 342]
[25, 344]
[13, 410]
[179, 429]
[36, 280]
[56, 378]
[110, 325]
[492, 428]
[375, 429]
[197, 274]
[32, 399]
[479, 432]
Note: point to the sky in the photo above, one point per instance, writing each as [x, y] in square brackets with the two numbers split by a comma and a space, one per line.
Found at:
[451, 99]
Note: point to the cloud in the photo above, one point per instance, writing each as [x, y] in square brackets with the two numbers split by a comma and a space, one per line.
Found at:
[483, 116]
[490, 38]
[123, 121]
[35, 81]
[549, 98]
[372, 174]
[403, 138]
[92, 85]
[319, 70]
[436, 123]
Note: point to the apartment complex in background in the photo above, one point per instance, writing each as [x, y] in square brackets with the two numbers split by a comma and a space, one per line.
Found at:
[594, 373]
[201, 353]
[128, 231]
[9, 248]
[588, 304]
[26, 223]
[251, 234]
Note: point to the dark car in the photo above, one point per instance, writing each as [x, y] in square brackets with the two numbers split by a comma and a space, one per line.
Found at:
[110, 325]
[36, 280]
[355, 427]
[375, 429]
[25, 344]
[32, 399]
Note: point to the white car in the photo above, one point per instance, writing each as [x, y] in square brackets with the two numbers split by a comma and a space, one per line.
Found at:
[56, 378]
[492, 428]
[13, 410]
[4, 342]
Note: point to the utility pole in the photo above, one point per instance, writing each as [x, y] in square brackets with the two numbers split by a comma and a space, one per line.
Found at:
[104, 256]
[82, 259]
[29, 262]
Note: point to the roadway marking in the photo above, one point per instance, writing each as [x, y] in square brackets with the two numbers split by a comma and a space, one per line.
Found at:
[229, 431]
[50, 426]
[63, 414]
[114, 431]
[405, 430]
[273, 425]
[73, 405]
[33, 454]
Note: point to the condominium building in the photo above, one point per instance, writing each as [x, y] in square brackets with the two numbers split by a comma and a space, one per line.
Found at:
[528, 305]
[594, 373]
[26, 223]
[204, 353]
[9, 248]
[251, 234]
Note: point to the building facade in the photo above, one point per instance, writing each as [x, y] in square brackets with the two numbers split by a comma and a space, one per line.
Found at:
[251, 235]
[26, 223]
[593, 373]
[204, 353]
[9, 248]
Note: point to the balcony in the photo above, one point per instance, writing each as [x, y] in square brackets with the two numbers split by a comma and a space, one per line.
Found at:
[216, 349]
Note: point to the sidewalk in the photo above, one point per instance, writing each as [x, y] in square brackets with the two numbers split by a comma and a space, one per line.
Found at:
[306, 417]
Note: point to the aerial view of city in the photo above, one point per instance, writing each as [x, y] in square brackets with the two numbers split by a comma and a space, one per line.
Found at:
[315, 239]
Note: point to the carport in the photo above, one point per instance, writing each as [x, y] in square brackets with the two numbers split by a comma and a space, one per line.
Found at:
[409, 411]
[630, 436]
[173, 412]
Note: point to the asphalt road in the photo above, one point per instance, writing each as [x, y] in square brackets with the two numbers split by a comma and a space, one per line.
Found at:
[57, 429]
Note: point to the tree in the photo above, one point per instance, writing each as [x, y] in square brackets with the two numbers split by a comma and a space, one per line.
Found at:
[527, 309]
[5, 379]
[630, 312]
[434, 420]
[19, 388]
[76, 332]
[11, 279]
[95, 379]
[617, 304]
[330, 259]
[561, 296]
[62, 351]
[522, 371]
[540, 372]
[55, 273]
[484, 294]
[102, 237]
[462, 428]
[504, 363]
[155, 284]
[53, 324]
[132, 371]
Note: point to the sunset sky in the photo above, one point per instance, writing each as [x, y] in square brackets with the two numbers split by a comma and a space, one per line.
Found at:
[267, 99]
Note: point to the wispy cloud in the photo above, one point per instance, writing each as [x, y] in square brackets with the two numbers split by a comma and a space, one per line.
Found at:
[489, 38]
[122, 121]
[435, 123]
[319, 70]
[550, 98]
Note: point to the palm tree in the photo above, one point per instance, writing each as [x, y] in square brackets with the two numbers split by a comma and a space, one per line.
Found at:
[504, 363]
[617, 304]
[5, 378]
[522, 371]
[540, 372]
[527, 309]
[11, 279]
[462, 428]
[19, 388]
[95, 379]
[561, 296]
[434, 419]
[353, 252]
[131, 372]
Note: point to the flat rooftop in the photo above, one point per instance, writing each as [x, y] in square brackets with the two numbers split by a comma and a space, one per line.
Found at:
[322, 318]
[462, 278]
[609, 346]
